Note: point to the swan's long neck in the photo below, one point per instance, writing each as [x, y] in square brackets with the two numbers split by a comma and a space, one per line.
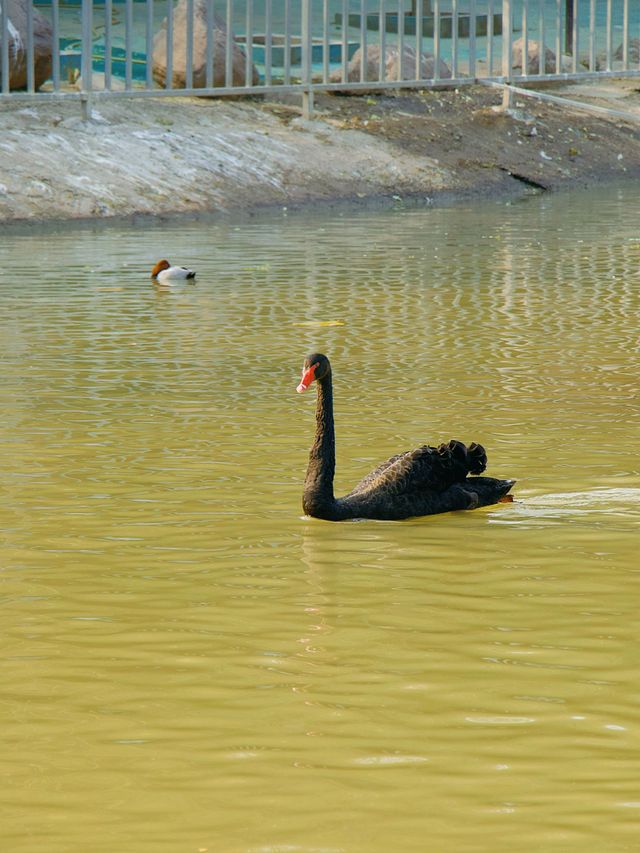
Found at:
[318, 499]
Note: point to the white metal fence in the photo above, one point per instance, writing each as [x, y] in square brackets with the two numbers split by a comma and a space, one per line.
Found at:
[91, 49]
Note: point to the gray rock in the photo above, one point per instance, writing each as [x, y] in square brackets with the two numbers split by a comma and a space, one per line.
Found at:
[533, 58]
[633, 51]
[199, 65]
[42, 45]
[392, 65]
[615, 65]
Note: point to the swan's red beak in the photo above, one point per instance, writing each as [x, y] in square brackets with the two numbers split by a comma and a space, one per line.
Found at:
[308, 376]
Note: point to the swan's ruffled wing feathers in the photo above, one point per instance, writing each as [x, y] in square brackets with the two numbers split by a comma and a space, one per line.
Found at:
[425, 468]
[374, 475]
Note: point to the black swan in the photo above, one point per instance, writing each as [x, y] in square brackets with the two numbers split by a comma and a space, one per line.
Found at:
[423, 481]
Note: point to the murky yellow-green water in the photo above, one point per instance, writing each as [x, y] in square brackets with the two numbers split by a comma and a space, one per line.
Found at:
[190, 665]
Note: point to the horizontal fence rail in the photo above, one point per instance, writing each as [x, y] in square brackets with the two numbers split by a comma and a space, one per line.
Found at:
[92, 49]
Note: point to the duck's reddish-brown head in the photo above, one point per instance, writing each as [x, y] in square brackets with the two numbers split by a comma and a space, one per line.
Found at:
[161, 265]
[315, 367]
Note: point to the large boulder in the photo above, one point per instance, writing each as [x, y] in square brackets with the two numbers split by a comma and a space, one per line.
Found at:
[199, 64]
[633, 51]
[533, 58]
[396, 67]
[16, 11]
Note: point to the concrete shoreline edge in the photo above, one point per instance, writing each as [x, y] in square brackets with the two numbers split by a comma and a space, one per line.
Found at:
[201, 158]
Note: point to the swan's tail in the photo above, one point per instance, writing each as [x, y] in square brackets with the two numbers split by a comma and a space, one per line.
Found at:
[489, 490]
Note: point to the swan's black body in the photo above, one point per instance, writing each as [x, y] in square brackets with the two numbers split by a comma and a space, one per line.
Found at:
[423, 481]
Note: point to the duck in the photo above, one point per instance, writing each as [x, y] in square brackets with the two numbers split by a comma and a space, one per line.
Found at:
[424, 481]
[163, 271]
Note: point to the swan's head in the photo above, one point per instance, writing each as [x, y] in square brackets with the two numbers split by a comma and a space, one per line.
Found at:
[316, 366]
[161, 265]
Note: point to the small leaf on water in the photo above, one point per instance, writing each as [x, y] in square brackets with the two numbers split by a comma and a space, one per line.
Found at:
[320, 323]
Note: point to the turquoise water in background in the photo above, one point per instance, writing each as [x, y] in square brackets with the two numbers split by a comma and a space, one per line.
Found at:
[70, 17]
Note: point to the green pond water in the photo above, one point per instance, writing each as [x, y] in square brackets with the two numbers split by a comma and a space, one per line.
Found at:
[189, 664]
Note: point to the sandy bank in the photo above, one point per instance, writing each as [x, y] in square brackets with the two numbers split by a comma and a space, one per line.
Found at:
[176, 156]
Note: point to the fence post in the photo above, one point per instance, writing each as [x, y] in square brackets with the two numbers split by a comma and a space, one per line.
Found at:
[307, 95]
[568, 27]
[87, 64]
[507, 58]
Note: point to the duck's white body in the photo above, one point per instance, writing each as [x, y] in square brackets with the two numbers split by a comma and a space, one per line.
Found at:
[164, 272]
